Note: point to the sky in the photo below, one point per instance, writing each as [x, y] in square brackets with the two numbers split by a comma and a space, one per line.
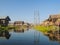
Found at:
[23, 10]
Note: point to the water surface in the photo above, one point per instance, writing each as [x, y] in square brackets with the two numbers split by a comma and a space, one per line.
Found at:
[28, 37]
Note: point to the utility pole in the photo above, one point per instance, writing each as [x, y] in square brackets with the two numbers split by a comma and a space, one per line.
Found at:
[36, 23]
[36, 18]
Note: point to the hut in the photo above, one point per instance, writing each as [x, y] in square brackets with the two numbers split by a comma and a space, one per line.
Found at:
[18, 23]
[52, 20]
[4, 20]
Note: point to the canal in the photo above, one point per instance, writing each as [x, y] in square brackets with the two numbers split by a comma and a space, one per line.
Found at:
[27, 37]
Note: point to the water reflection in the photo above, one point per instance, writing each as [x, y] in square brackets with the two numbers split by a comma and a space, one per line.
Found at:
[5, 34]
[21, 30]
[30, 37]
[54, 35]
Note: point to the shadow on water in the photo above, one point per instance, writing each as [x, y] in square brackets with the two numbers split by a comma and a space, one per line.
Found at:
[5, 34]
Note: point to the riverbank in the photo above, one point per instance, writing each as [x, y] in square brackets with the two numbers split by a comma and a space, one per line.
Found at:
[45, 28]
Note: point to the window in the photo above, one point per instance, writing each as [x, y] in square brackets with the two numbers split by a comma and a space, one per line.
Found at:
[3, 21]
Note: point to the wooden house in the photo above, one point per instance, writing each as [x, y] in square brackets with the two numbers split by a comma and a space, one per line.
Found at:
[18, 23]
[4, 20]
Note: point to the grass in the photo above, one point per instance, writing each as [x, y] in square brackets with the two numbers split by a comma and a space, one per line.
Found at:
[38, 27]
[3, 28]
[44, 28]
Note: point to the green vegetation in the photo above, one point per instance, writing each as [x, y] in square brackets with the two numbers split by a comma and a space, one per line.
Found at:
[3, 28]
[45, 28]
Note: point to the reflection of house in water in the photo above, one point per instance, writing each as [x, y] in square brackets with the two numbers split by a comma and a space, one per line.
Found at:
[52, 20]
[53, 37]
[4, 20]
[5, 34]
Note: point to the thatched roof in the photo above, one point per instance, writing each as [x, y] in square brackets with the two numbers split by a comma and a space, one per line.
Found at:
[53, 19]
[55, 16]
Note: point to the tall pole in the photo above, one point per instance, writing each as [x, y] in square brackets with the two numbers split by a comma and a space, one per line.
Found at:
[36, 18]
[36, 22]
